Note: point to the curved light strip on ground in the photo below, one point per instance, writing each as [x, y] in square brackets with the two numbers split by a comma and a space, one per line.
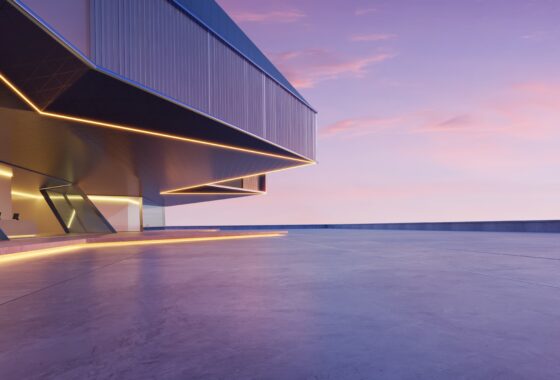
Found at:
[21, 236]
[41, 253]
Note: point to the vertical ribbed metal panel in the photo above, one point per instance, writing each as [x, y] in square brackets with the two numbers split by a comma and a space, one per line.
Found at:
[212, 15]
[288, 122]
[155, 44]
[236, 89]
[227, 100]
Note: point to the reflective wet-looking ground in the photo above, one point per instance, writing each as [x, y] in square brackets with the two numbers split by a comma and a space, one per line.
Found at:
[312, 305]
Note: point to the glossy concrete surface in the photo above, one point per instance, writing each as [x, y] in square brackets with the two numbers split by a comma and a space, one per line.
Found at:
[313, 305]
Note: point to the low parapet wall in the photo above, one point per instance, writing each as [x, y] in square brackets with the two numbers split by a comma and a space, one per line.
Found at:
[539, 226]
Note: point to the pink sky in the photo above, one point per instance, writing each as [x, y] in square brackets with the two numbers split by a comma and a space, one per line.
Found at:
[428, 111]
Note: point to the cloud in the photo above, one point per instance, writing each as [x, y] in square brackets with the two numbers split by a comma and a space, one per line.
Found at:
[286, 16]
[525, 111]
[537, 36]
[529, 110]
[462, 122]
[372, 37]
[307, 68]
[515, 131]
[364, 11]
[359, 126]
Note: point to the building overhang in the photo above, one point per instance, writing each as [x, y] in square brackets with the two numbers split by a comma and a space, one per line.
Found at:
[73, 121]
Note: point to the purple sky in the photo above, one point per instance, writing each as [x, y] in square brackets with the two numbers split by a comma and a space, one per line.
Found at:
[429, 110]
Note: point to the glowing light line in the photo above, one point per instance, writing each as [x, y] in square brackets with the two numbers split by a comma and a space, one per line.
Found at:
[238, 191]
[21, 236]
[72, 217]
[224, 193]
[237, 188]
[6, 173]
[113, 199]
[177, 191]
[23, 194]
[47, 252]
[141, 131]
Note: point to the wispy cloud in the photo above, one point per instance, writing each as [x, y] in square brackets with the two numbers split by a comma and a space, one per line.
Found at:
[537, 36]
[307, 68]
[526, 111]
[284, 16]
[372, 37]
[359, 126]
[364, 11]
[459, 122]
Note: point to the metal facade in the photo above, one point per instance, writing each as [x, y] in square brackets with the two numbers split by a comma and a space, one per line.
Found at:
[157, 45]
[143, 98]
[212, 16]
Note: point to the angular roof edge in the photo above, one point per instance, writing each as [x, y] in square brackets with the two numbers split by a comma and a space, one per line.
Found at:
[211, 16]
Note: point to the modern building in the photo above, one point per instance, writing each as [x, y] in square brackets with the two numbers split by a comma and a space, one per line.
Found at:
[111, 110]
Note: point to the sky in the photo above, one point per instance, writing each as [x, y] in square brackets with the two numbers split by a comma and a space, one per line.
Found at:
[429, 110]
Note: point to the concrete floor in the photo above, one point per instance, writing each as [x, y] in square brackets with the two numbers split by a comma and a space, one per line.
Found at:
[312, 305]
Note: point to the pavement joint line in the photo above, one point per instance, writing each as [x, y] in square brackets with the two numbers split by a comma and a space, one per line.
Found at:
[515, 280]
[504, 254]
[443, 249]
[65, 280]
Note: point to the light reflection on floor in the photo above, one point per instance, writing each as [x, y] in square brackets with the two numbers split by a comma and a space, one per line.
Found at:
[312, 305]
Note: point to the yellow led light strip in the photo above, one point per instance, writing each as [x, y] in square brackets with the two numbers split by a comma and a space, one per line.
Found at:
[224, 193]
[6, 173]
[95, 198]
[239, 191]
[47, 252]
[177, 191]
[23, 194]
[141, 131]
[21, 236]
[72, 217]
[237, 188]
[114, 199]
